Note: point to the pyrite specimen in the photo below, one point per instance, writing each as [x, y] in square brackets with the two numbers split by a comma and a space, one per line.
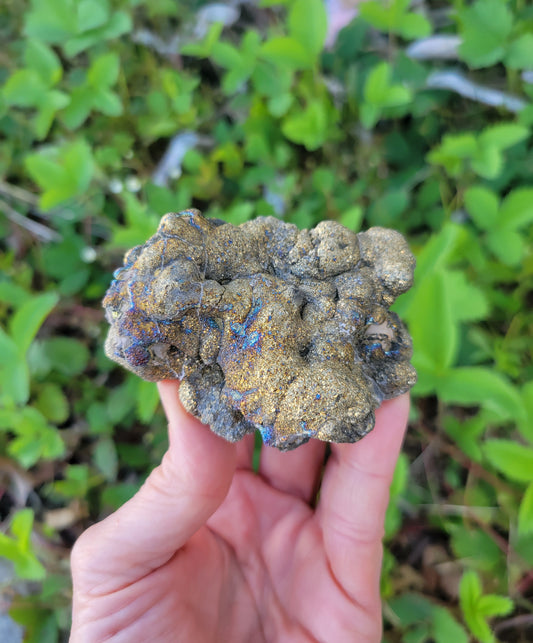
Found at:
[267, 326]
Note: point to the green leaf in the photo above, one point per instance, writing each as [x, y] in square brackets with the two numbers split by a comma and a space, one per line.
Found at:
[203, 49]
[485, 27]
[432, 324]
[52, 403]
[13, 294]
[118, 24]
[279, 105]
[286, 52]
[98, 418]
[487, 162]
[92, 14]
[483, 152]
[376, 14]
[414, 25]
[411, 609]
[446, 629]
[377, 84]
[14, 375]
[520, 53]
[469, 595]
[507, 245]
[239, 63]
[75, 484]
[308, 24]
[19, 382]
[8, 348]
[160, 199]
[475, 547]
[480, 628]
[107, 103]
[467, 301]
[40, 625]
[417, 634]
[510, 458]
[517, 209]
[51, 103]
[526, 424]
[44, 170]
[379, 93]
[469, 591]
[77, 158]
[66, 355]
[18, 549]
[400, 476]
[525, 512]
[493, 605]
[51, 21]
[504, 135]
[271, 80]
[24, 88]
[482, 205]
[437, 251]
[105, 458]
[235, 78]
[147, 400]
[35, 439]
[116, 495]
[397, 96]
[42, 59]
[226, 55]
[369, 115]
[103, 72]
[393, 17]
[28, 319]
[62, 173]
[476, 385]
[250, 45]
[79, 107]
[140, 223]
[466, 434]
[352, 218]
[308, 128]
[21, 528]
[389, 207]
[453, 151]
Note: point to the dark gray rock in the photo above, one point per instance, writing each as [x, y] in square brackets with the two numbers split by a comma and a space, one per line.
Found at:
[268, 327]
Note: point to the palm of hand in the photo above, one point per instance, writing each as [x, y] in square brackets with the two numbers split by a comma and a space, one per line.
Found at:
[265, 566]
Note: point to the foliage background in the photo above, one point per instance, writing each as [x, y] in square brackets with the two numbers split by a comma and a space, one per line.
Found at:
[114, 112]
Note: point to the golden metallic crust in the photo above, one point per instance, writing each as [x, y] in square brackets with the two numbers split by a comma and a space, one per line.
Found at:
[268, 327]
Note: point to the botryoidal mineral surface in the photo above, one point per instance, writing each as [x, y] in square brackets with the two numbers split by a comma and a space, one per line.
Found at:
[267, 326]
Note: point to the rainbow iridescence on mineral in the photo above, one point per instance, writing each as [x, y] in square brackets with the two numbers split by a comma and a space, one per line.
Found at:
[267, 326]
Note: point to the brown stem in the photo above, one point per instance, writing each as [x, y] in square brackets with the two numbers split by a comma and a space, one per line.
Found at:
[467, 463]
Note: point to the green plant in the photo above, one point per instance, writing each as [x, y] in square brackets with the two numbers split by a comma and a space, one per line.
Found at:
[380, 94]
[480, 153]
[478, 607]
[34, 86]
[501, 222]
[18, 548]
[279, 126]
[394, 17]
[491, 33]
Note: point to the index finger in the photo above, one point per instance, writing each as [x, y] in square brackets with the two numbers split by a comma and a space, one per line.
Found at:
[354, 498]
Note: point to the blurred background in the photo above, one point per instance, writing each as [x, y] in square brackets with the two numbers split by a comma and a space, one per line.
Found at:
[413, 115]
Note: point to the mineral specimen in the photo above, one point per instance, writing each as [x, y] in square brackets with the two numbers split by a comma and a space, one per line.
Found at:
[267, 326]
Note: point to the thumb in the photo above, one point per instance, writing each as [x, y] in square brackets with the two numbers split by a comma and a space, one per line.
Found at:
[175, 501]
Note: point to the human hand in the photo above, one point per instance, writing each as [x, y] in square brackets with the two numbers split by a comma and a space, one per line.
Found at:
[209, 551]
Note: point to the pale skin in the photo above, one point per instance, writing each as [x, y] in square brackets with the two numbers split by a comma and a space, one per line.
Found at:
[209, 551]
